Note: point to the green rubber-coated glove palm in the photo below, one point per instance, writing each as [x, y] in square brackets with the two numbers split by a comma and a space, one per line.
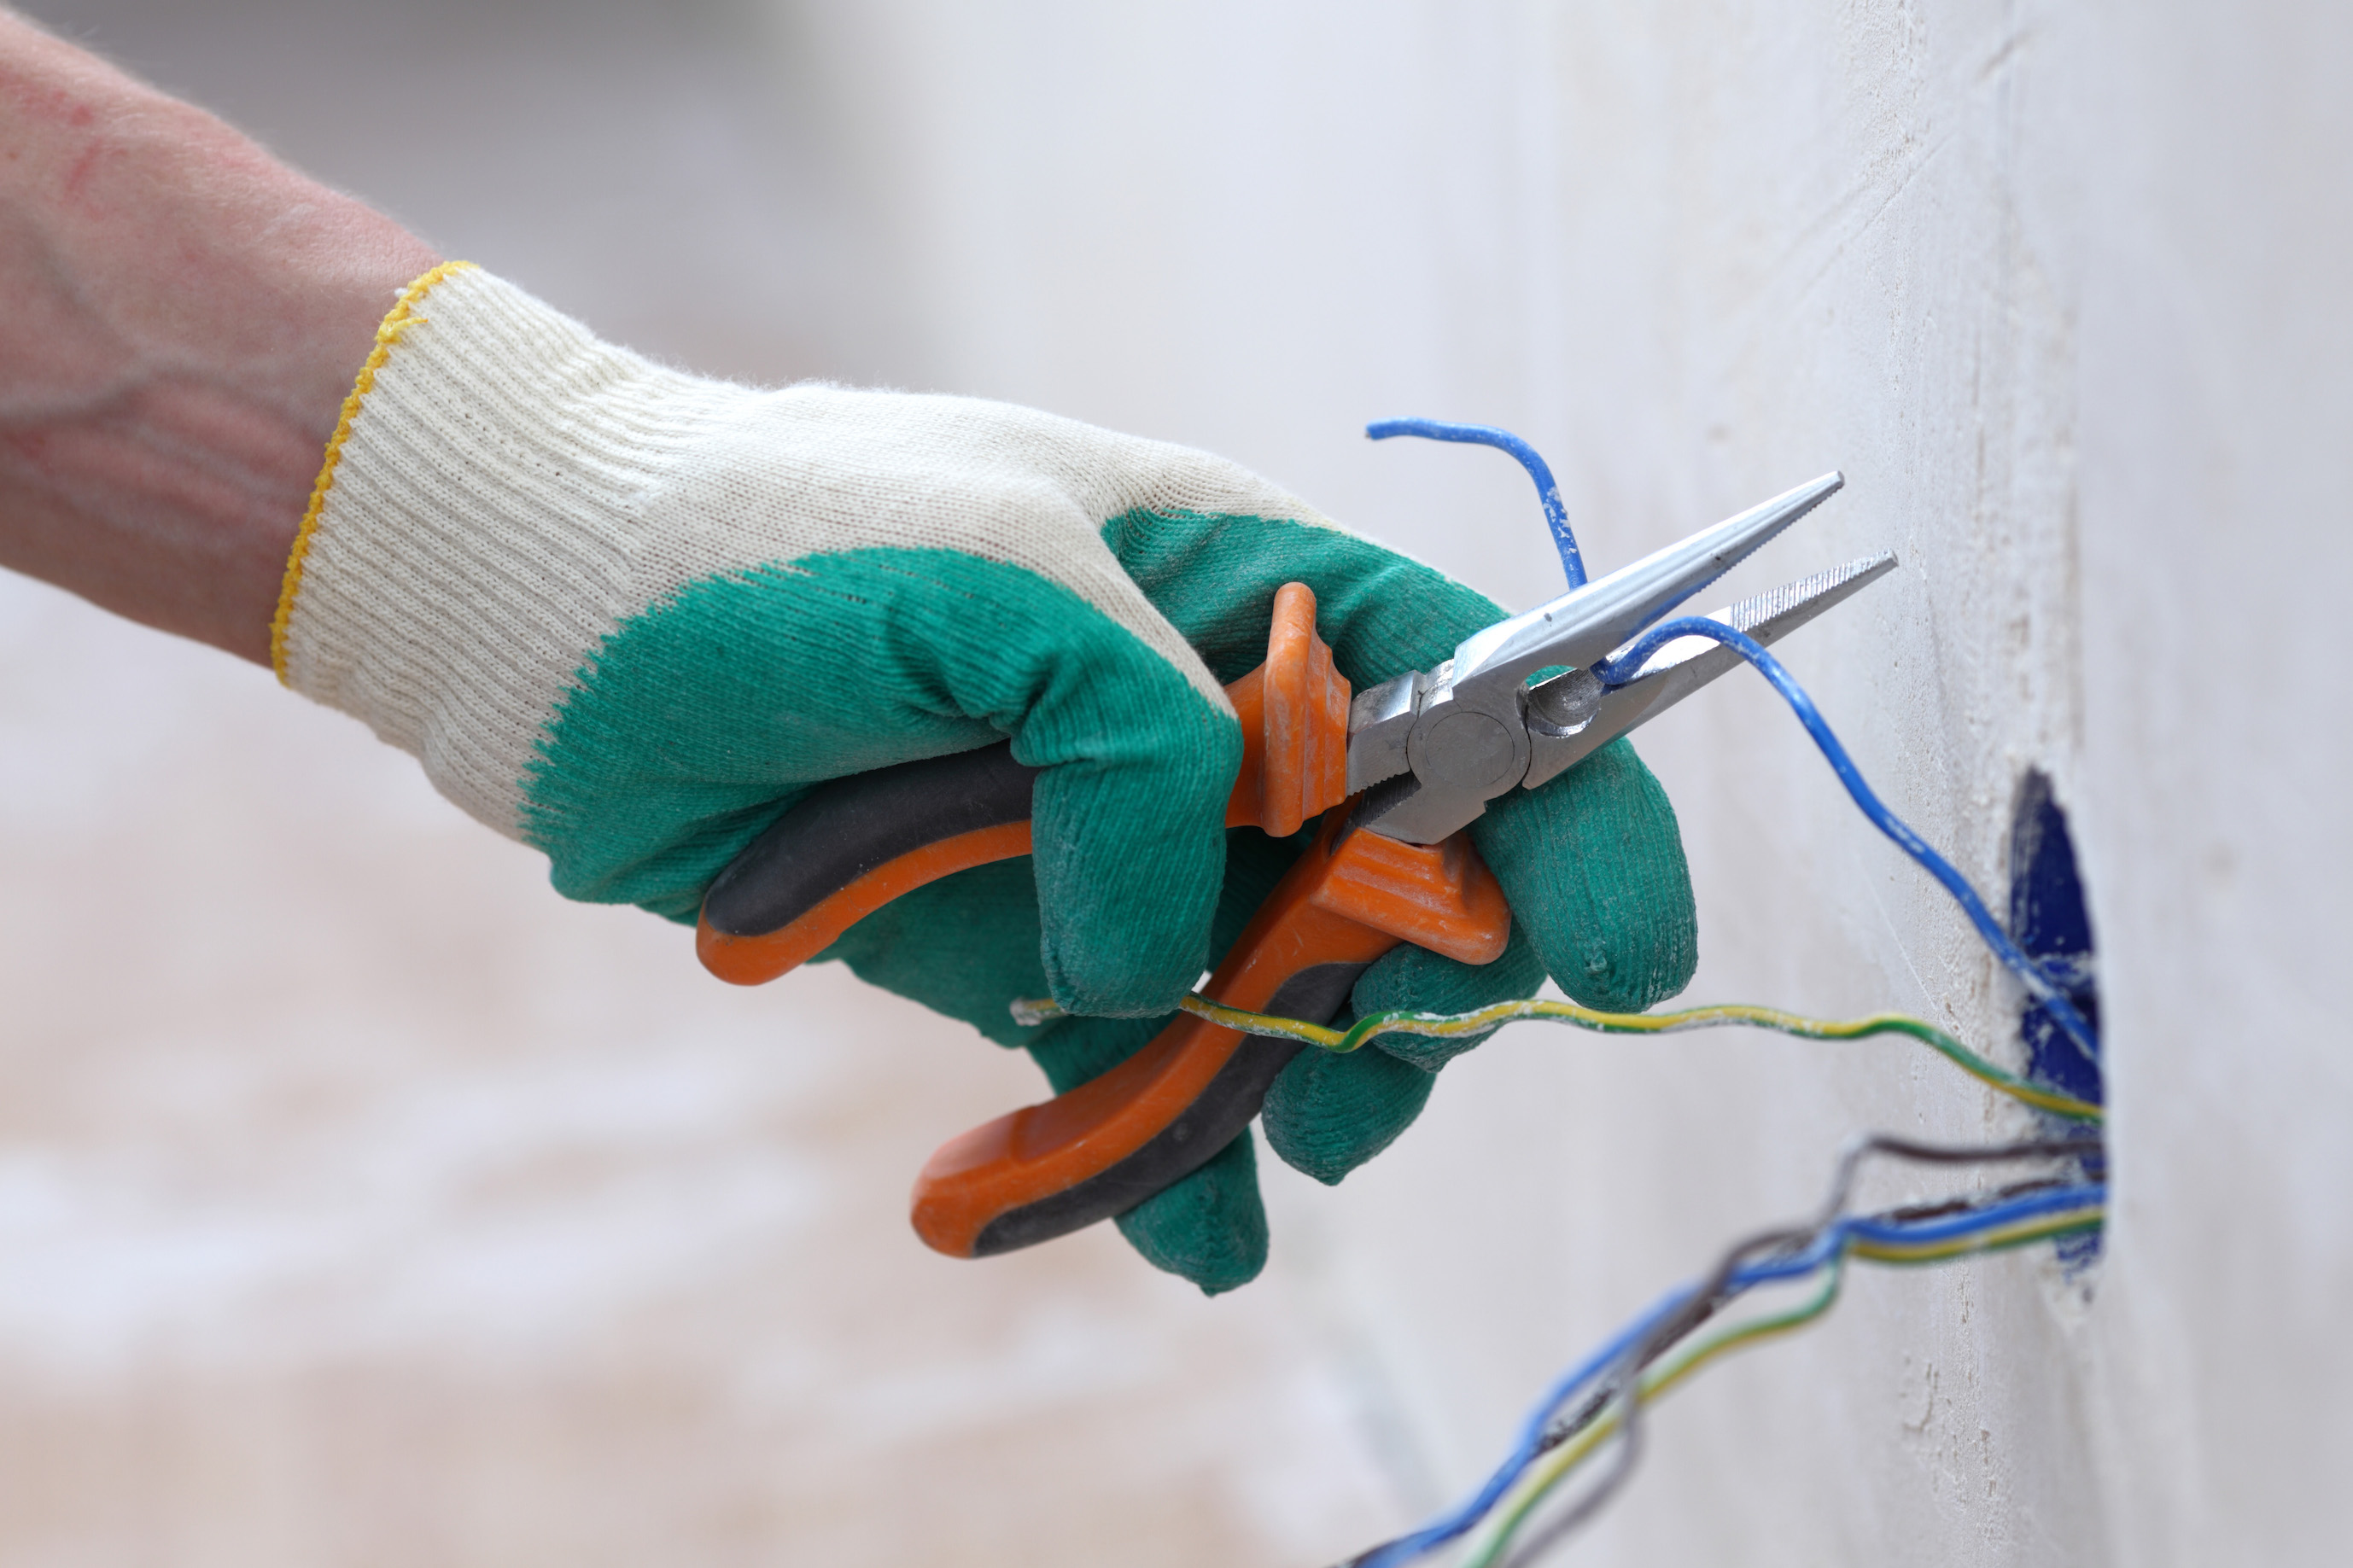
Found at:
[630, 615]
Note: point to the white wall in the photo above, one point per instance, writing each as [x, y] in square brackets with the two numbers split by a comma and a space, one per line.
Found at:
[2060, 289]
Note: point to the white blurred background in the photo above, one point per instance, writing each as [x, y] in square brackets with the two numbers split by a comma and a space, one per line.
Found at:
[362, 1201]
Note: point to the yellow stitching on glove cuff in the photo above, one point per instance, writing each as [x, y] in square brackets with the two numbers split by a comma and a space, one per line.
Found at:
[395, 322]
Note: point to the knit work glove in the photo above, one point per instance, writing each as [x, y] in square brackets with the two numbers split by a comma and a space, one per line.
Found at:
[629, 616]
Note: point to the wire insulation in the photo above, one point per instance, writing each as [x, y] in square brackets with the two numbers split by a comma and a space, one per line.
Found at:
[1572, 560]
[1619, 670]
[1546, 1476]
[1779, 1256]
[1446, 1025]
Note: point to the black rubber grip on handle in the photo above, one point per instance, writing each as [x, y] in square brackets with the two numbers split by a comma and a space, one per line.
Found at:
[846, 827]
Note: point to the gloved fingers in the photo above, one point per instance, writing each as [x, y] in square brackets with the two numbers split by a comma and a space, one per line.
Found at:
[1328, 1114]
[1071, 1050]
[1210, 1227]
[1128, 825]
[965, 947]
[1593, 869]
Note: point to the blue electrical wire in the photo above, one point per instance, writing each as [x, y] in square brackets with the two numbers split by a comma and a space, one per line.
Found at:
[1618, 670]
[1828, 1244]
[1572, 560]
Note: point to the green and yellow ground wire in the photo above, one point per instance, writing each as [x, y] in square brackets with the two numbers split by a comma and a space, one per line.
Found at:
[1444, 1026]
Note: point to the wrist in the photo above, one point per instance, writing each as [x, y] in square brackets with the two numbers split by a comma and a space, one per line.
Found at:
[189, 316]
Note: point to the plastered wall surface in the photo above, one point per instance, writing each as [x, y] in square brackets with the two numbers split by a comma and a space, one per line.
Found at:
[2056, 287]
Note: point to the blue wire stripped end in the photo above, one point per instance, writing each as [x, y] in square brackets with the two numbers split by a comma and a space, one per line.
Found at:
[1572, 560]
[1618, 672]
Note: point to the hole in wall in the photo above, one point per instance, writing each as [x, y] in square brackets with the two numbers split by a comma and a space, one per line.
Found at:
[2050, 919]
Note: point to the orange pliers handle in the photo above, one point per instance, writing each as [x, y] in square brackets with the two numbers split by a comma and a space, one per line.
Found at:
[853, 844]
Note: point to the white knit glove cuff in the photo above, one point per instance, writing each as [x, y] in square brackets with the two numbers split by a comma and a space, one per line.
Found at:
[473, 530]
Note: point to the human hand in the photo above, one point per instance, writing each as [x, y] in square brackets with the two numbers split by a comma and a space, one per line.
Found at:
[629, 616]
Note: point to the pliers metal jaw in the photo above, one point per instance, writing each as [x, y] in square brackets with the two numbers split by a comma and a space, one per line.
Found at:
[1429, 749]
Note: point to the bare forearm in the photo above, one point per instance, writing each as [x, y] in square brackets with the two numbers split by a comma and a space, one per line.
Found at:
[185, 316]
